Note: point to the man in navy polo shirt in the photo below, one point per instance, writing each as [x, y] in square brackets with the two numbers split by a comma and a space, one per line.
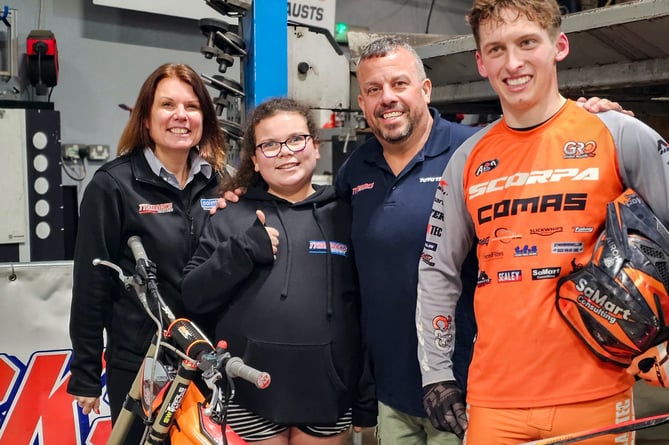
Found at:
[391, 181]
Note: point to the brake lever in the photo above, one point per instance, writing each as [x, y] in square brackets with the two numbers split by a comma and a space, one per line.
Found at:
[210, 365]
[127, 281]
[214, 408]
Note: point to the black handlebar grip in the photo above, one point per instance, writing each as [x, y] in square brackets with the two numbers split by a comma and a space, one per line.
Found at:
[189, 338]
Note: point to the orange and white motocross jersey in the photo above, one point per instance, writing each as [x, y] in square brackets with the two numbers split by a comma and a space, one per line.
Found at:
[535, 202]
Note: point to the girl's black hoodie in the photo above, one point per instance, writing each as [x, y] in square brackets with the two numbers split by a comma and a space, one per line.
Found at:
[296, 317]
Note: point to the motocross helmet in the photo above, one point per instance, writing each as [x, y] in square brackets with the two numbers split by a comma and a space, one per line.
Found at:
[618, 304]
[653, 365]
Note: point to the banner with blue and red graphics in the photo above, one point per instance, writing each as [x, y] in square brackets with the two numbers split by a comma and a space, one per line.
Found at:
[35, 353]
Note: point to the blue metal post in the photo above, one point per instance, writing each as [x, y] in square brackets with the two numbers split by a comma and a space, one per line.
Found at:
[265, 32]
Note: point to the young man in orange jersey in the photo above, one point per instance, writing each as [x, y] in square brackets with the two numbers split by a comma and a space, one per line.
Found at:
[532, 190]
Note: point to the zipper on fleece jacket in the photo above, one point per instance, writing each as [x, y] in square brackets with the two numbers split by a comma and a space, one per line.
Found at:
[328, 263]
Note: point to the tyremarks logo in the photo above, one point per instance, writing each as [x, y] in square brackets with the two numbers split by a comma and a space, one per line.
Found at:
[156, 208]
[361, 187]
[320, 246]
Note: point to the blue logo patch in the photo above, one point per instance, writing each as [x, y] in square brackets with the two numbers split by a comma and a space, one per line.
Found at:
[208, 203]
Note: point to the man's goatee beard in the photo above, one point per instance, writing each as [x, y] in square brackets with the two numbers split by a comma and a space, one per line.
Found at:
[398, 138]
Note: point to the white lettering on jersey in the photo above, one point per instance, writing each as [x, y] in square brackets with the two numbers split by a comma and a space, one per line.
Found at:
[521, 179]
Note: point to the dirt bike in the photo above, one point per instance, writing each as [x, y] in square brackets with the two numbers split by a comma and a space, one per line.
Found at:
[164, 394]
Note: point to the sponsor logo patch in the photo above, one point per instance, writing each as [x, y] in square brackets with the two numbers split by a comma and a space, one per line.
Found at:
[493, 256]
[208, 203]
[579, 149]
[505, 235]
[436, 214]
[599, 303]
[443, 331]
[546, 273]
[522, 179]
[429, 245]
[486, 166]
[545, 231]
[166, 207]
[434, 230]
[508, 276]
[427, 258]
[526, 250]
[358, 188]
[567, 247]
[534, 204]
[320, 246]
[483, 279]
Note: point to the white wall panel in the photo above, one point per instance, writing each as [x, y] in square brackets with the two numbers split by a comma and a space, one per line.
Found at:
[192, 9]
[14, 221]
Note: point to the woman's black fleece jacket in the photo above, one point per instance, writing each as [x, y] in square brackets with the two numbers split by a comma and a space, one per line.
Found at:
[296, 317]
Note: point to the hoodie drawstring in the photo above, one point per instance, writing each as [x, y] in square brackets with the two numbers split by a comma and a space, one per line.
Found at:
[289, 256]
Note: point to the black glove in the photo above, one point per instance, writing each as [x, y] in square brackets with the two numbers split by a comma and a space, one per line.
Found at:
[444, 404]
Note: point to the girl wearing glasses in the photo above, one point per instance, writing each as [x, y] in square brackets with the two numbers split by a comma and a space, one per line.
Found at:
[277, 268]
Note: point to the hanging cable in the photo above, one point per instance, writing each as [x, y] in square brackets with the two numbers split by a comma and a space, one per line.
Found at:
[40, 17]
[429, 17]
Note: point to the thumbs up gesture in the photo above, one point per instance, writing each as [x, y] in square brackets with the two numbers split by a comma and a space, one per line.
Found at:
[271, 231]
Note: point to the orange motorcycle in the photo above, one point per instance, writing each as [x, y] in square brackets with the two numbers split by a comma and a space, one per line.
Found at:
[180, 367]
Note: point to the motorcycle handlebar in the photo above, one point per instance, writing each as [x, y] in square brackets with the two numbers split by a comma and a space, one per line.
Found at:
[145, 268]
[235, 367]
[187, 335]
[137, 249]
[189, 338]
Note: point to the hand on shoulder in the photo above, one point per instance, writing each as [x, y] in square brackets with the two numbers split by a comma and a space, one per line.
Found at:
[229, 196]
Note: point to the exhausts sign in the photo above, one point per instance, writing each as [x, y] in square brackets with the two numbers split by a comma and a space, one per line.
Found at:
[319, 13]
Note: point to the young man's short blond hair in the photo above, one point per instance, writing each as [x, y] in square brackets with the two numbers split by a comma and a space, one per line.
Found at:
[544, 12]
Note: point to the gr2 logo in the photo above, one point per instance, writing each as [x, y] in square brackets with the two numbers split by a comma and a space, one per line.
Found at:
[578, 149]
